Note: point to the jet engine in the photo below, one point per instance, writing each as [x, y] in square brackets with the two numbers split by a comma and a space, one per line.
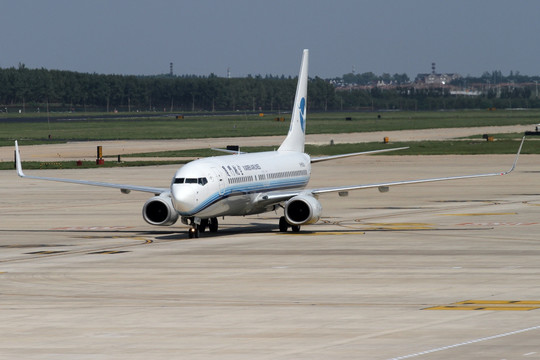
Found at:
[159, 211]
[302, 209]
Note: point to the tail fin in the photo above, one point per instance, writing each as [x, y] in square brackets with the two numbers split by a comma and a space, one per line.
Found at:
[297, 132]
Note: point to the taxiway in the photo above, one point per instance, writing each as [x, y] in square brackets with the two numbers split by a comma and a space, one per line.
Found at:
[434, 271]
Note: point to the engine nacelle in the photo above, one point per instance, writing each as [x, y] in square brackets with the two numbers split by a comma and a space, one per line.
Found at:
[302, 210]
[160, 211]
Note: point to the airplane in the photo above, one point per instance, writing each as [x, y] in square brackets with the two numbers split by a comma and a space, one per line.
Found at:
[241, 184]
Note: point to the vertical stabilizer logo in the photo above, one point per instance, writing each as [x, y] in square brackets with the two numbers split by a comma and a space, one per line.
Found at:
[302, 113]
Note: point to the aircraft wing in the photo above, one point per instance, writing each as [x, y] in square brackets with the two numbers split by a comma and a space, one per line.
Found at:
[383, 186]
[123, 187]
[281, 196]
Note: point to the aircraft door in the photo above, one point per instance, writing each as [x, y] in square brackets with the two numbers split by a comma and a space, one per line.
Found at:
[218, 176]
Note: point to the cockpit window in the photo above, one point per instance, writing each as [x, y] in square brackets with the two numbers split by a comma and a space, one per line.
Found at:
[201, 181]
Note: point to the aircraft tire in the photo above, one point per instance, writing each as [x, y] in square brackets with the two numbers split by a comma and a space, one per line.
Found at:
[203, 225]
[283, 224]
[213, 224]
[295, 228]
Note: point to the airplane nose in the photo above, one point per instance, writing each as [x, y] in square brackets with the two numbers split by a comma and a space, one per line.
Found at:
[181, 198]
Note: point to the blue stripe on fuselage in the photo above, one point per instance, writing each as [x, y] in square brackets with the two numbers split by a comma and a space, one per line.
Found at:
[248, 188]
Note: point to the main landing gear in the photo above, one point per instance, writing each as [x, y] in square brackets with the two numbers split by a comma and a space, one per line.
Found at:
[284, 225]
[195, 229]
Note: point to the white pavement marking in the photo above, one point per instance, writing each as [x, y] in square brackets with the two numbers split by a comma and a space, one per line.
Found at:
[466, 343]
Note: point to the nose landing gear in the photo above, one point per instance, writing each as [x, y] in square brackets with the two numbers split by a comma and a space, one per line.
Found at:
[198, 226]
[193, 231]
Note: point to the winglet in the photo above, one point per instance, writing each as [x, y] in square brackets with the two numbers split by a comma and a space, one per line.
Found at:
[18, 160]
[516, 159]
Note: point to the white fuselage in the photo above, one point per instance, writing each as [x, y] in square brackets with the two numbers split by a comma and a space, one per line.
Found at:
[231, 185]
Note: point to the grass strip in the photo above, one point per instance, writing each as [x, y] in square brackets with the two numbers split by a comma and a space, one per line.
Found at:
[459, 147]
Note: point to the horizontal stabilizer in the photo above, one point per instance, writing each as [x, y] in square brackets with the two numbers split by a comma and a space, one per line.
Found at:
[229, 151]
[332, 157]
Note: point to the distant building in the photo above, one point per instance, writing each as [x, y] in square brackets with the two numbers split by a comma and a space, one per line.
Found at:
[435, 78]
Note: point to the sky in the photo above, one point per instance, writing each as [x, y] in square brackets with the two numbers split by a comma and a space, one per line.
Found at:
[266, 37]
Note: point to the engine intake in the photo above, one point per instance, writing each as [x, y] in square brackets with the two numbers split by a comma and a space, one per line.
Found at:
[160, 211]
[302, 210]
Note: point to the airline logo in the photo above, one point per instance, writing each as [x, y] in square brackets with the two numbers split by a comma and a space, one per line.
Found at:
[302, 113]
